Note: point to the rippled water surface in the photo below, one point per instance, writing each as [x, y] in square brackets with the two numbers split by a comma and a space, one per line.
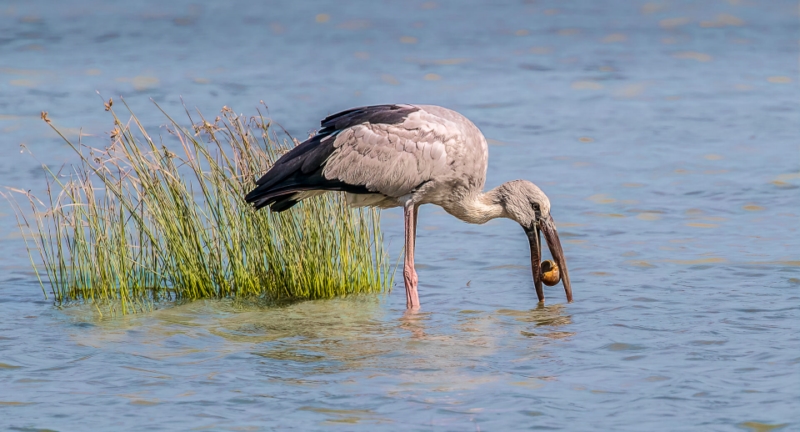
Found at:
[665, 133]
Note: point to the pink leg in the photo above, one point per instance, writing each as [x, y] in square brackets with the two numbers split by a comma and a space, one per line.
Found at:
[409, 274]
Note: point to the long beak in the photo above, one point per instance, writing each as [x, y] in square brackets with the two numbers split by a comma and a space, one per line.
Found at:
[548, 227]
[536, 260]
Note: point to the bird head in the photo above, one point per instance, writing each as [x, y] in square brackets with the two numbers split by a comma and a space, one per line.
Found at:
[526, 204]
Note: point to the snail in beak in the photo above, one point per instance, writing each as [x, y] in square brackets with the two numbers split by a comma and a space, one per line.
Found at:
[550, 273]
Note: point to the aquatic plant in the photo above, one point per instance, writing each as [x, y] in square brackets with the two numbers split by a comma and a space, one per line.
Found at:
[152, 218]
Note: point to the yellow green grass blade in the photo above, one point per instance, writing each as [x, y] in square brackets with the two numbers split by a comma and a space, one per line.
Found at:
[151, 218]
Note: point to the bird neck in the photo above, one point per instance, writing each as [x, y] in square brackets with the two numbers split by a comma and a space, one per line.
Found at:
[479, 208]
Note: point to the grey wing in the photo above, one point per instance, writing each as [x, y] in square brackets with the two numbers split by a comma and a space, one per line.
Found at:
[378, 152]
[395, 159]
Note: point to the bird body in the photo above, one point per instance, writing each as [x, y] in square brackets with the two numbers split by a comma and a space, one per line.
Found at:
[405, 155]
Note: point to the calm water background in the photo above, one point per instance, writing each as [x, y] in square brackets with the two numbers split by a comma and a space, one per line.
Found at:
[665, 133]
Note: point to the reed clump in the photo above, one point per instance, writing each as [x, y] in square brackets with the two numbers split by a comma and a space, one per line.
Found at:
[153, 218]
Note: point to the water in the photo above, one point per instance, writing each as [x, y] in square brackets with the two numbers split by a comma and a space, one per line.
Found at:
[664, 133]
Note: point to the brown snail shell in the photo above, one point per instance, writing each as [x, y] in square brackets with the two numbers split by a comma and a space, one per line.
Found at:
[550, 273]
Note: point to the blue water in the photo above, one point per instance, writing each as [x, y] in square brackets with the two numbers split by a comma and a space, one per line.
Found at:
[665, 133]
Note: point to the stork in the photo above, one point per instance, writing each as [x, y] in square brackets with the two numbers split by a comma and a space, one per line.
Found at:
[409, 155]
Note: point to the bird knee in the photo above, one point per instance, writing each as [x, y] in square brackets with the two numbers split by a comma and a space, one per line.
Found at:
[410, 275]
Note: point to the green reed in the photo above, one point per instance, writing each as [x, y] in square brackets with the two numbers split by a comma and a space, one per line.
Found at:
[134, 223]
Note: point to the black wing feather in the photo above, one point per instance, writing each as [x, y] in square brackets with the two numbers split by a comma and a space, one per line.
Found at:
[301, 168]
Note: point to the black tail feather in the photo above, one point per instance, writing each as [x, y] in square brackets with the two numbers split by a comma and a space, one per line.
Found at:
[282, 204]
[280, 196]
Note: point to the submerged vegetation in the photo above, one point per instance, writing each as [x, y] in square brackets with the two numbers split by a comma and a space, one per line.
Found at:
[152, 218]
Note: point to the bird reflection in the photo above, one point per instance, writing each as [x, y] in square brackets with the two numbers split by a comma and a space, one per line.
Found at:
[414, 322]
[546, 320]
